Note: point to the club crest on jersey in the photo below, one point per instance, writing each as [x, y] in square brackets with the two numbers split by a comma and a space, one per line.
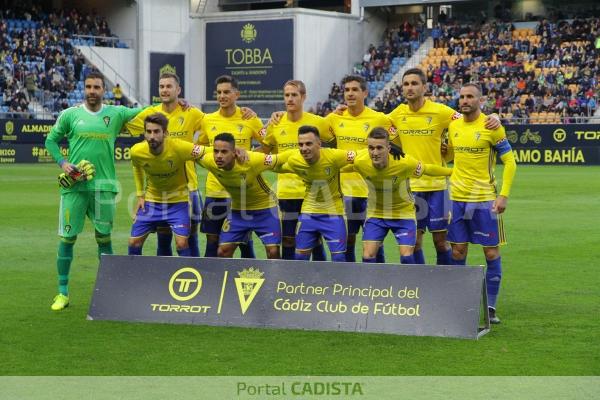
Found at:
[366, 127]
[419, 169]
[428, 119]
[196, 151]
[240, 127]
[477, 135]
[106, 120]
[180, 120]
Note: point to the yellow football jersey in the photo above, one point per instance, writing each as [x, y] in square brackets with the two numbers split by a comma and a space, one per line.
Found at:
[163, 178]
[244, 182]
[421, 133]
[474, 150]
[322, 180]
[182, 125]
[243, 130]
[389, 188]
[284, 137]
[351, 134]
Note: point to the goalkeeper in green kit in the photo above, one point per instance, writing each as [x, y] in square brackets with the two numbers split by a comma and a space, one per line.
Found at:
[88, 182]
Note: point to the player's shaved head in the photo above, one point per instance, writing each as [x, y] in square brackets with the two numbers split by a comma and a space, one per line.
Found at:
[379, 133]
[169, 75]
[304, 129]
[474, 85]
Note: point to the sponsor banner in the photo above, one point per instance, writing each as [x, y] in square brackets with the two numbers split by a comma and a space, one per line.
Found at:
[19, 153]
[576, 144]
[397, 299]
[259, 54]
[24, 130]
[35, 131]
[166, 62]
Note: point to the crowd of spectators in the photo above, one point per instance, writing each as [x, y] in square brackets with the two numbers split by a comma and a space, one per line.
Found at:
[38, 59]
[377, 63]
[553, 70]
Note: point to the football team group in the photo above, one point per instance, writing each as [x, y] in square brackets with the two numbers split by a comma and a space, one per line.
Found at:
[354, 169]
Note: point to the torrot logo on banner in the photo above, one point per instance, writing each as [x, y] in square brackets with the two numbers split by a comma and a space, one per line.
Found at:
[166, 63]
[406, 300]
[259, 54]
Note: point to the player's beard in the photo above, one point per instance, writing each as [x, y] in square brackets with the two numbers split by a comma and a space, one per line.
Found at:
[93, 101]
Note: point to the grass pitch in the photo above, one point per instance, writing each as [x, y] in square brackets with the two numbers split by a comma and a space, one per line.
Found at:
[549, 301]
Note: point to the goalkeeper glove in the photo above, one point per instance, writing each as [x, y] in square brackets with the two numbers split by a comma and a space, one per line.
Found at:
[65, 181]
[84, 171]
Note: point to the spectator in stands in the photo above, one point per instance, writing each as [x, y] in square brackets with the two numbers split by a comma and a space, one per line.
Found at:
[118, 94]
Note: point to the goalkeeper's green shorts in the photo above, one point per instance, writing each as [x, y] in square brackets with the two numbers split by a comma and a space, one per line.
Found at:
[98, 206]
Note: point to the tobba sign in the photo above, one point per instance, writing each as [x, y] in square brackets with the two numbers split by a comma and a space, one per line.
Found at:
[396, 299]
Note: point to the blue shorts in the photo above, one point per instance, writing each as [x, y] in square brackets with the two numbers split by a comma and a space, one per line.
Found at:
[174, 215]
[476, 223]
[331, 227]
[432, 210]
[213, 214]
[356, 212]
[404, 230]
[290, 211]
[240, 224]
[196, 206]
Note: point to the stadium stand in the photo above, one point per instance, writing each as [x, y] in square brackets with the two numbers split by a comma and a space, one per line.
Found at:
[39, 61]
[541, 75]
[380, 63]
[548, 73]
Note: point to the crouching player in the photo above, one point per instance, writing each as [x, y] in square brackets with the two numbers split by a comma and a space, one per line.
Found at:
[253, 203]
[159, 168]
[391, 205]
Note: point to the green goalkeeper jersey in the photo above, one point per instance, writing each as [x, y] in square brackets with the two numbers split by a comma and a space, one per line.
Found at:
[91, 136]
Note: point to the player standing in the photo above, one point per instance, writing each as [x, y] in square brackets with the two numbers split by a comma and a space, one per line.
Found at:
[228, 119]
[476, 205]
[421, 125]
[350, 130]
[280, 138]
[91, 129]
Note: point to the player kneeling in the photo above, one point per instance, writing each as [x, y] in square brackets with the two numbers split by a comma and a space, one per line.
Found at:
[391, 205]
[161, 185]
